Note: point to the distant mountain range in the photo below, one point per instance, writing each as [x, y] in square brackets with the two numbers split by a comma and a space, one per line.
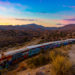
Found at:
[36, 27]
[68, 27]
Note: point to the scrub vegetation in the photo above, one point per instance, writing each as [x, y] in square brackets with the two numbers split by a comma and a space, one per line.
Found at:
[58, 59]
[47, 56]
[60, 66]
[21, 37]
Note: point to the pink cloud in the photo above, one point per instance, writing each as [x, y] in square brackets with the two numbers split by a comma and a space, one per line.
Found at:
[11, 10]
[72, 19]
[58, 21]
[64, 21]
[69, 6]
[13, 4]
[2, 8]
[72, 6]
[4, 3]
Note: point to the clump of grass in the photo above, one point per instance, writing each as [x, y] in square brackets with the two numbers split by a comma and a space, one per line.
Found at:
[59, 60]
[62, 51]
[60, 66]
[37, 61]
[52, 55]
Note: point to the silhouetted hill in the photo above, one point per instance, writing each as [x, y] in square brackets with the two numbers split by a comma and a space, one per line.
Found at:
[26, 27]
[68, 27]
[36, 27]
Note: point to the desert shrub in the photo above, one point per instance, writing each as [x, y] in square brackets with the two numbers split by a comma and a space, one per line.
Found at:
[37, 61]
[63, 51]
[52, 55]
[60, 66]
[55, 53]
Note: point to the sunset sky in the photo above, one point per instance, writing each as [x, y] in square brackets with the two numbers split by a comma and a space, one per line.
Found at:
[49, 13]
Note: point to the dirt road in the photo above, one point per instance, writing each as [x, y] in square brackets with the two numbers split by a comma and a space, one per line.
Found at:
[72, 54]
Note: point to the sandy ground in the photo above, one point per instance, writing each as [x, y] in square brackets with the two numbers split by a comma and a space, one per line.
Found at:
[45, 70]
[72, 54]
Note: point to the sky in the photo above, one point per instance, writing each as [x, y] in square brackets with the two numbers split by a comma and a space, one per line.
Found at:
[49, 13]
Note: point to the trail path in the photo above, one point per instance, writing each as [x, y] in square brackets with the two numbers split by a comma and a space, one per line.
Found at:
[72, 54]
